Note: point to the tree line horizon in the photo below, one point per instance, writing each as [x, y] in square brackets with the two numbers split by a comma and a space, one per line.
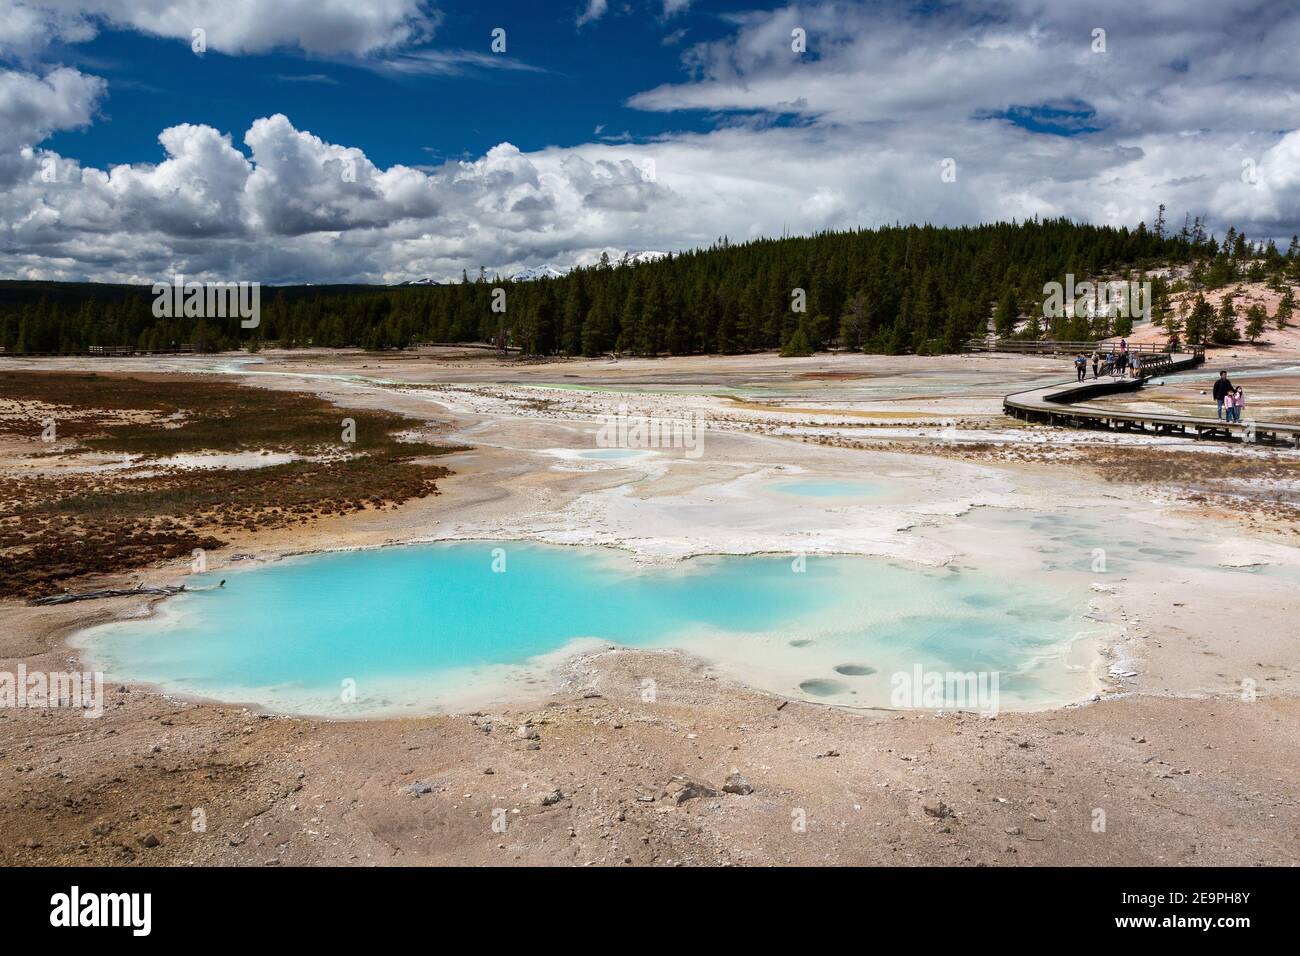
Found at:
[893, 290]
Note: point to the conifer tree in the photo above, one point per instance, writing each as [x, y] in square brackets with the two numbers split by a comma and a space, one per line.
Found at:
[1199, 321]
[1285, 307]
[1006, 316]
[798, 343]
[1225, 326]
[1255, 318]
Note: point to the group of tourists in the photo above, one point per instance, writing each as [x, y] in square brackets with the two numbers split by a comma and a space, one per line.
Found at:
[1121, 361]
[1229, 399]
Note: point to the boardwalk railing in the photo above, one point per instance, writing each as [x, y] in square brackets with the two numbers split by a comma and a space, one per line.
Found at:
[105, 351]
[1052, 405]
[1052, 347]
[1152, 359]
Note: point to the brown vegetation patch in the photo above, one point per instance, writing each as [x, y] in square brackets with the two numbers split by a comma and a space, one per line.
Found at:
[57, 527]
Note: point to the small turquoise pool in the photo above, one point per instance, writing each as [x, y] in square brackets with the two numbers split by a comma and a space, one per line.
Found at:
[826, 488]
[612, 454]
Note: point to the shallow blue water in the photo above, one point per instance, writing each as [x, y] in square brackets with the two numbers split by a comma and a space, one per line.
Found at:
[609, 454]
[413, 626]
[823, 488]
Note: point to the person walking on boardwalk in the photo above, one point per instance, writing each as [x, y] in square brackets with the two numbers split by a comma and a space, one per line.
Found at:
[1135, 363]
[1080, 367]
[1230, 406]
[1221, 389]
[1238, 404]
[1096, 361]
[1110, 362]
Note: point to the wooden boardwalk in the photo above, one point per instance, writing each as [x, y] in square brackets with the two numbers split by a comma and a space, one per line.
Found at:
[1052, 404]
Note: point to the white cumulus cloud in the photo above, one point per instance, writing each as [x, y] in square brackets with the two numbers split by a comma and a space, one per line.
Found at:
[1033, 116]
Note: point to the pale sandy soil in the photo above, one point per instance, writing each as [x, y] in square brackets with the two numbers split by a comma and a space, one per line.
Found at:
[1274, 343]
[1188, 751]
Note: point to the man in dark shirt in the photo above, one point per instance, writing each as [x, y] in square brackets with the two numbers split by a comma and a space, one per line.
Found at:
[1221, 389]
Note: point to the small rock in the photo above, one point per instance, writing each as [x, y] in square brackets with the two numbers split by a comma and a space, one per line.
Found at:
[149, 841]
[547, 799]
[682, 790]
[942, 811]
[419, 787]
[737, 784]
[526, 732]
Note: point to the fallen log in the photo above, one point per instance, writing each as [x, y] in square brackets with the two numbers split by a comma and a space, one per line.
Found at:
[162, 591]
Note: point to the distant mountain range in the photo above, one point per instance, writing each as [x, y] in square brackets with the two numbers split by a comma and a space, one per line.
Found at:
[647, 255]
[544, 271]
[548, 271]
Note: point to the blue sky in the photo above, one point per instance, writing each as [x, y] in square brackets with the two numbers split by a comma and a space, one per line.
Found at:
[562, 84]
[383, 140]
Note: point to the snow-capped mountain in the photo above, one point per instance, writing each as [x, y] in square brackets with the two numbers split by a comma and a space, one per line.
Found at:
[545, 271]
[425, 281]
[548, 271]
[646, 255]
